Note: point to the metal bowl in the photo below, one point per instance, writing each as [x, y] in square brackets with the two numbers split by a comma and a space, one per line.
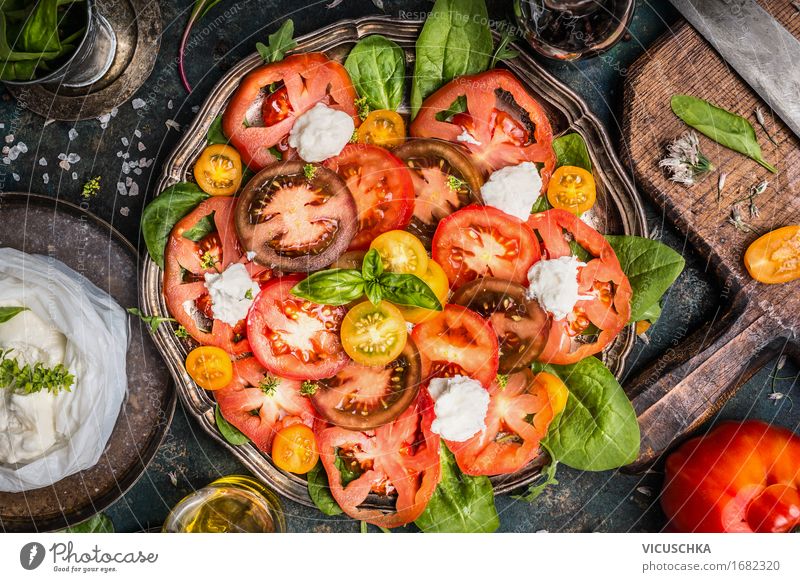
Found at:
[619, 210]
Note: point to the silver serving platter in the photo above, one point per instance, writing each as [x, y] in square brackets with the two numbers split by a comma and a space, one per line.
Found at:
[619, 210]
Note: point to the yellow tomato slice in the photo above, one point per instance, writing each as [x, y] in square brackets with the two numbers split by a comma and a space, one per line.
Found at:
[557, 392]
[775, 257]
[436, 279]
[401, 252]
[294, 449]
[218, 170]
[210, 367]
[374, 335]
[573, 189]
[384, 128]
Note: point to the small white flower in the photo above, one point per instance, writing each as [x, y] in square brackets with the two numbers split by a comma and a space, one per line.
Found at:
[685, 162]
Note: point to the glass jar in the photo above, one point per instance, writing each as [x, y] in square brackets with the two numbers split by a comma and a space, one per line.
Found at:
[232, 504]
[572, 29]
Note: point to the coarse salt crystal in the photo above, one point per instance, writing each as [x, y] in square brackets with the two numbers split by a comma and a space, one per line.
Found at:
[138, 103]
[141, 147]
[121, 189]
[42, 162]
[124, 211]
[10, 138]
[125, 142]
[134, 189]
[72, 134]
[45, 178]
[73, 158]
[74, 175]
[172, 124]
[64, 165]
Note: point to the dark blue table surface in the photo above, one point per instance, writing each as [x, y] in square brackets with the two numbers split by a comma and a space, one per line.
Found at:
[188, 459]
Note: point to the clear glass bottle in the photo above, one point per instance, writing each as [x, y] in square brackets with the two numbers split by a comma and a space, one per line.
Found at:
[573, 29]
[232, 504]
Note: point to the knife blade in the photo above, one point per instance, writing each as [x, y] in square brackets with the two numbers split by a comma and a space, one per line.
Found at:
[762, 51]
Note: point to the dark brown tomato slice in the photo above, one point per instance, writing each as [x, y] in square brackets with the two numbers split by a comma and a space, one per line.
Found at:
[458, 341]
[295, 223]
[295, 338]
[521, 325]
[444, 180]
[366, 397]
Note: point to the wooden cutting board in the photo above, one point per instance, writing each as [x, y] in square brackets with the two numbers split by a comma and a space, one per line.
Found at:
[690, 382]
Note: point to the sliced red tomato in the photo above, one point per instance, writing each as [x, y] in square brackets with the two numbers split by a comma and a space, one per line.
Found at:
[482, 241]
[381, 186]
[400, 458]
[602, 279]
[185, 263]
[293, 337]
[520, 412]
[457, 342]
[260, 404]
[502, 124]
[257, 120]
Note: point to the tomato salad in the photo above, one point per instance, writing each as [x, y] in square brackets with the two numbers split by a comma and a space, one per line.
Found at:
[370, 302]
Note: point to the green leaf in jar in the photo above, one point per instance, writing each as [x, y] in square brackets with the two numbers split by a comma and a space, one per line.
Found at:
[331, 287]
[726, 128]
[6, 313]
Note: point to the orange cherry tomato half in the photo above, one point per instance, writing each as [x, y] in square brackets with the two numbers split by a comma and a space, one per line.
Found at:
[775, 257]
[572, 188]
[294, 449]
[210, 367]
[436, 279]
[384, 128]
[218, 170]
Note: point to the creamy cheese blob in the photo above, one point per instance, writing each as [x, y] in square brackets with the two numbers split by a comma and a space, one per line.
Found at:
[232, 293]
[460, 408]
[554, 284]
[467, 137]
[513, 189]
[321, 133]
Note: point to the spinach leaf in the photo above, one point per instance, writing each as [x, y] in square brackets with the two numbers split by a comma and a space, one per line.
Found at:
[459, 105]
[653, 313]
[461, 503]
[597, 430]
[320, 491]
[377, 68]
[280, 43]
[164, 211]
[231, 434]
[6, 313]
[347, 473]
[215, 134]
[571, 150]
[204, 227]
[650, 266]
[98, 523]
[542, 204]
[454, 41]
[724, 127]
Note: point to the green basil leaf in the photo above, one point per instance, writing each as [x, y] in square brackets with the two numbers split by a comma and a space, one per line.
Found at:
[377, 68]
[726, 128]
[40, 31]
[215, 134]
[6, 313]
[320, 491]
[331, 287]
[455, 40]
[409, 290]
[373, 291]
[541, 205]
[164, 211]
[461, 503]
[598, 429]
[231, 434]
[280, 43]
[571, 150]
[98, 523]
[651, 267]
[459, 105]
[372, 265]
[204, 227]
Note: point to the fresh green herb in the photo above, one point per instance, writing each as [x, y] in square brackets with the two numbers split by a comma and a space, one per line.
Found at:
[309, 171]
[215, 135]
[91, 188]
[280, 43]
[208, 260]
[377, 68]
[372, 266]
[597, 430]
[504, 52]
[726, 128]
[308, 388]
[248, 294]
[245, 122]
[199, 10]
[455, 41]
[502, 381]
[29, 379]
[181, 332]
[331, 287]
[541, 205]
[461, 503]
[229, 432]
[204, 227]
[349, 469]
[362, 107]
[579, 251]
[269, 385]
[98, 523]
[408, 290]
[320, 492]
[275, 152]
[651, 267]
[161, 215]
[455, 184]
[685, 162]
[6, 313]
[571, 150]
[152, 321]
[354, 137]
[536, 488]
[459, 105]
[364, 527]
[763, 123]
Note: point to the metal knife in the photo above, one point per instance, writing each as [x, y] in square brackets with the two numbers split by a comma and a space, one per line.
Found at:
[762, 51]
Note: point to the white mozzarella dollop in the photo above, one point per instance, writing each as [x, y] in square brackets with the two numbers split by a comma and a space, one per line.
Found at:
[321, 133]
[232, 293]
[554, 284]
[513, 189]
[460, 407]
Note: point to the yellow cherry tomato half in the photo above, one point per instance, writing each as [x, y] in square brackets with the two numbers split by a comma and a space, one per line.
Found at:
[557, 391]
[294, 449]
[436, 279]
[210, 367]
[384, 128]
[775, 257]
[218, 170]
[572, 188]
[374, 335]
[401, 252]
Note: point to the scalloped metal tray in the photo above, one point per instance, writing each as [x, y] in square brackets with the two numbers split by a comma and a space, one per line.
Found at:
[619, 210]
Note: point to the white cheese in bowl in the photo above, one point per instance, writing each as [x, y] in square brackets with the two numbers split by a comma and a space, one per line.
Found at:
[460, 407]
[513, 189]
[321, 133]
